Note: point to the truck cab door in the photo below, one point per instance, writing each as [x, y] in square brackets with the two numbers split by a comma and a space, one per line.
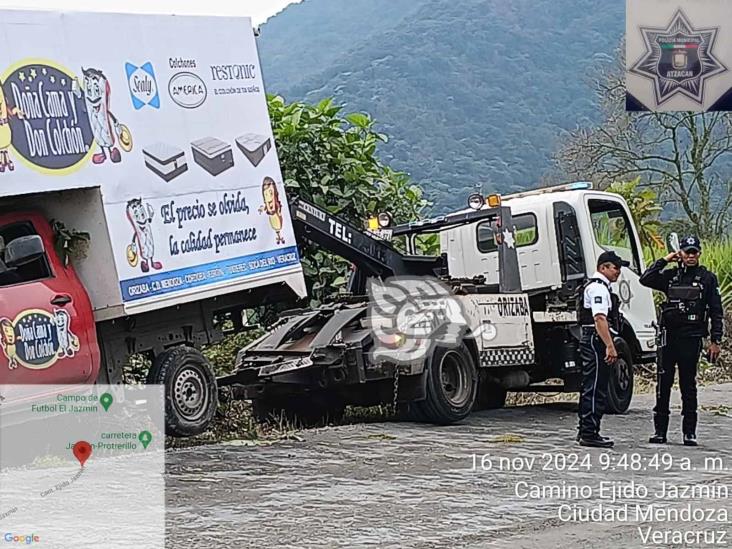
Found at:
[47, 333]
[612, 229]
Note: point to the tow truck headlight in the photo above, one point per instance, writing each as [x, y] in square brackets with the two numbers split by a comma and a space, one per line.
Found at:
[475, 201]
[380, 221]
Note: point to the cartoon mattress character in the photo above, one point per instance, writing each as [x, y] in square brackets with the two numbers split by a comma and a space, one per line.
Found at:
[105, 126]
[8, 340]
[6, 134]
[142, 247]
[68, 342]
[272, 207]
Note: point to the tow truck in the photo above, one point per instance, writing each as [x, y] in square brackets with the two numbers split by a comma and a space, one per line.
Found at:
[513, 264]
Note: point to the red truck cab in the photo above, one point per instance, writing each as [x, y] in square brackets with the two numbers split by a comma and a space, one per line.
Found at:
[47, 329]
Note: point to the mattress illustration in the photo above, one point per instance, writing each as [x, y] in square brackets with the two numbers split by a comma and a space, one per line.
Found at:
[212, 154]
[167, 161]
[254, 146]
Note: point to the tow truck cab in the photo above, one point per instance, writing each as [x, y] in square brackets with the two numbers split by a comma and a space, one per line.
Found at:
[560, 232]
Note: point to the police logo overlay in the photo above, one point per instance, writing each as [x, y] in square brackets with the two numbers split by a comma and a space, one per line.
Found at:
[678, 58]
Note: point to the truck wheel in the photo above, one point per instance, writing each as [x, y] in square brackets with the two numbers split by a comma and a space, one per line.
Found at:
[620, 384]
[301, 411]
[190, 390]
[452, 383]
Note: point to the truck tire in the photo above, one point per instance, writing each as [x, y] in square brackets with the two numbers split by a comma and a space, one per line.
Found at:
[620, 384]
[452, 386]
[299, 411]
[191, 396]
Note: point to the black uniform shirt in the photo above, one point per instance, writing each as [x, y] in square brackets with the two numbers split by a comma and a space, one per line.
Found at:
[655, 277]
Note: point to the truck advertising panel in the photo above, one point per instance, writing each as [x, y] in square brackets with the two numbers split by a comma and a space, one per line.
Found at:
[167, 116]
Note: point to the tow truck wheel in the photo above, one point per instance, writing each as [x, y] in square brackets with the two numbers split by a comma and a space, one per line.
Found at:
[191, 397]
[620, 384]
[452, 383]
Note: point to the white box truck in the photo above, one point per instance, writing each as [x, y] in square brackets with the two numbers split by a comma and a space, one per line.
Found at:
[126, 127]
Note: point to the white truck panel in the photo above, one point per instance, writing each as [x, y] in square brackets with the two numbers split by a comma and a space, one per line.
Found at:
[89, 122]
[539, 262]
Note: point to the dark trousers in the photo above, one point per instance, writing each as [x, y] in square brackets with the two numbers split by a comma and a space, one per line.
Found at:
[684, 352]
[595, 375]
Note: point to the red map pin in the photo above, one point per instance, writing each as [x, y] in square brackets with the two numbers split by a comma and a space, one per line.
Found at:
[82, 450]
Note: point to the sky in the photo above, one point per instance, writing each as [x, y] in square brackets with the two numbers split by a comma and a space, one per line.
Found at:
[258, 10]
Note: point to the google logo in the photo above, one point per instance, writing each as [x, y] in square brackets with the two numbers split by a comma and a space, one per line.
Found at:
[26, 540]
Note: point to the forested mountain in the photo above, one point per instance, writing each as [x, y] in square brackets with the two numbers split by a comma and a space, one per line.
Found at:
[474, 93]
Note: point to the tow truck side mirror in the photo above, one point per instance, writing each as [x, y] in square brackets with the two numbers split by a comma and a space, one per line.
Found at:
[24, 249]
[672, 242]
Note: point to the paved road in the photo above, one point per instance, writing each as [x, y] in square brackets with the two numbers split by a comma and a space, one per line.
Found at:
[402, 485]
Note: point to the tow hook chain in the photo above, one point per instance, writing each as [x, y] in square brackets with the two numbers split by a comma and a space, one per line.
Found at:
[396, 390]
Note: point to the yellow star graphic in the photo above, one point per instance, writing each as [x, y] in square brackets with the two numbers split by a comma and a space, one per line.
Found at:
[33, 74]
[21, 76]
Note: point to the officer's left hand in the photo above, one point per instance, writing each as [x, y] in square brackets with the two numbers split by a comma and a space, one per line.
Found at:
[714, 351]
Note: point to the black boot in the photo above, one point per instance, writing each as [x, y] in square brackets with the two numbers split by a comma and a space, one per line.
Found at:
[690, 439]
[596, 441]
[600, 436]
[661, 426]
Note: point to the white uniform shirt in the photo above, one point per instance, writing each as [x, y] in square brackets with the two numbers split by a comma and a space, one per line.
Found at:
[597, 296]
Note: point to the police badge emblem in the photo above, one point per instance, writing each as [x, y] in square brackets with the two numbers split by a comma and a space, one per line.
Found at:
[679, 59]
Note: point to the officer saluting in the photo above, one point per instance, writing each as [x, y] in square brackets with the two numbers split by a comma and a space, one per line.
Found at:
[692, 299]
[599, 317]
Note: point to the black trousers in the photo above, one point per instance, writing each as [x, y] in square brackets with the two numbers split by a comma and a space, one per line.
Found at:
[595, 375]
[684, 352]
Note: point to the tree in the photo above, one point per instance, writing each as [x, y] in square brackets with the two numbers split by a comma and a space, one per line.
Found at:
[645, 209]
[331, 160]
[684, 156]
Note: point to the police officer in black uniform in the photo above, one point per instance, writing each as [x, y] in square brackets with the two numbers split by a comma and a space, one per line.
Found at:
[692, 300]
[598, 314]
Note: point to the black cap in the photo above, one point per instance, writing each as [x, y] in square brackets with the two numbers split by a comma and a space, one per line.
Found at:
[690, 242]
[612, 257]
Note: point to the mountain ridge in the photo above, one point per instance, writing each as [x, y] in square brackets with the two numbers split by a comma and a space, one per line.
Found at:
[474, 96]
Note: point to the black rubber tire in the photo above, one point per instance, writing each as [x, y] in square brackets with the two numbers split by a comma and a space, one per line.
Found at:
[620, 384]
[299, 411]
[191, 395]
[438, 407]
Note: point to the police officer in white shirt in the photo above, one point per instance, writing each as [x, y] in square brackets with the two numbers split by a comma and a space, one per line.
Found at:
[599, 317]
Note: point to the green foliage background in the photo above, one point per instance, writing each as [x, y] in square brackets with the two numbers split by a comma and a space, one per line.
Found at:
[330, 158]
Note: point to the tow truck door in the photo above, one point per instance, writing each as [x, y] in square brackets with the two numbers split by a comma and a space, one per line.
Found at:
[45, 315]
[612, 228]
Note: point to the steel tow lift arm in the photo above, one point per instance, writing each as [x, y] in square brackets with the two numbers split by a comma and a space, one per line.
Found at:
[375, 257]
